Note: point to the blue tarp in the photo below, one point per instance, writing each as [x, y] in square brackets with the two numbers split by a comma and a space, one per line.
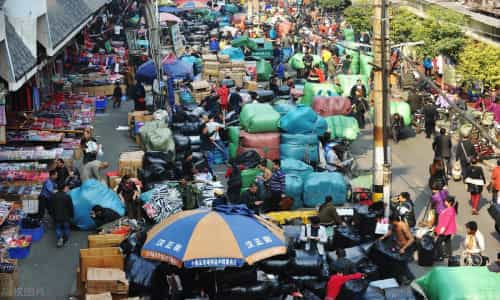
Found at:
[234, 53]
[178, 69]
[146, 72]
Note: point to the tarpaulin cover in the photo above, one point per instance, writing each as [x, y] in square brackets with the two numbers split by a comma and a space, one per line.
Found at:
[317, 89]
[296, 147]
[264, 70]
[295, 166]
[348, 81]
[259, 117]
[302, 120]
[244, 41]
[365, 67]
[293, 188]
[233, 53]
[248, 176]
[178, 69]
[319, 185]
[343, 127]
[88, 195]
[457, 283]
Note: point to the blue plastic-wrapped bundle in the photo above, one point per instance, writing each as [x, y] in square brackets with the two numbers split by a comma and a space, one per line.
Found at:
[88, 195]
[303, 120]
[319, 185]
[302, 147]
[293, 188]
[295, 166]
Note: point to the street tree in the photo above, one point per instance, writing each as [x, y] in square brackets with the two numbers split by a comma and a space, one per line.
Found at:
[479, 61]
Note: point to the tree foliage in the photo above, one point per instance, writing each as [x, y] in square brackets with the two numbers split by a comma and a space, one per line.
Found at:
[332, 4]
[479, 61]
[360, 17]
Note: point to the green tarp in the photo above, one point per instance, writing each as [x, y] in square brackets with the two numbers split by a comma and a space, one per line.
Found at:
[264, 70]
[348, 81]
[343, 127]
[316, 89]
[259, 117]
[460, 283]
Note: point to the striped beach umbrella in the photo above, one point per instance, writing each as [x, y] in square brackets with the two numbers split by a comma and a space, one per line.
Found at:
[227, 236]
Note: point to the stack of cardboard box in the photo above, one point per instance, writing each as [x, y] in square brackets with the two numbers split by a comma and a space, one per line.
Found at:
[200, 90]
[220, 67]
[210, 66]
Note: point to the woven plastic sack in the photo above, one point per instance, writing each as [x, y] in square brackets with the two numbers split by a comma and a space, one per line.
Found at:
[348, 81]
[244, 41]
[317, 89]
[149, 127]
[248, 176]
[300, 120]
[264, 70]
[88, 195]
[259, 117]
[295, 166]
[348, 34]
[365, 67]
[332, 106]
[234, 134]
[293, 188]
[443, 283]
[343, 127]
[319, 185]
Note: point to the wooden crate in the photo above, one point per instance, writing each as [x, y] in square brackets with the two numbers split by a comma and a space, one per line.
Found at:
[105, 240]
[9, 282]
[100, 258]
[130, 162]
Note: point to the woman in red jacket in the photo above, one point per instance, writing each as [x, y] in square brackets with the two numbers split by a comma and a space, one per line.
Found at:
[336, 282]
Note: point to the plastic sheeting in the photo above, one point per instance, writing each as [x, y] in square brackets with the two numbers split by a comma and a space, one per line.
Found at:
[365, 67]
[156, 136]
[300, 147]
[343, 127]
[259, 117]
[443, 283]
[319, 185]
[303, 120]
[294, 187]
[88, 195]
[295, 166]
[317, 89]
[331, 106]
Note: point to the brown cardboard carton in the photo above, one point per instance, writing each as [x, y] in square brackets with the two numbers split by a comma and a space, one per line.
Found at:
[100, 258]
[101, 280]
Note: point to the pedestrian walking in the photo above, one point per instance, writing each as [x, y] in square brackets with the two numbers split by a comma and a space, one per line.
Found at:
[442, 149]
[495, 183]
[430, 117]
[62, 213]
[445, 229]
[49, 189]
[475, 181]
[117, 95]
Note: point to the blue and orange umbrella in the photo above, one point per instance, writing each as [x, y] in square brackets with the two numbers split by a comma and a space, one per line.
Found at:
[228, 236]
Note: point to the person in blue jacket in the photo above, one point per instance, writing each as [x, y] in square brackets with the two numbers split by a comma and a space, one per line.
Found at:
[428, 66]
[214, 45]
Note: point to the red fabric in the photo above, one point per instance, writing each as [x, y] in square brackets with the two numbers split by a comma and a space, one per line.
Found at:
[223, 93]
[475, 198]
[336, 282]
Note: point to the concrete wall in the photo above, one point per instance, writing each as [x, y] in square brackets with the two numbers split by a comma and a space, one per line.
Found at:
[23, 15]
[2, 26]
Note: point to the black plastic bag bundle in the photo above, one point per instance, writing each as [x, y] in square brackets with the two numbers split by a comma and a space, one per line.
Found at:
[200, 162]
[346, 237]
[157, 158]
[318, 287]
[366, 221]
[250, 159]
[263, 96]
[368, 268]
[187, 128]
[306, 263]
[182, 143]
[276, 265]
[246, 276]
[400, 293]
[373, 293]
[426, 249]
[261, 290]
[353, 289]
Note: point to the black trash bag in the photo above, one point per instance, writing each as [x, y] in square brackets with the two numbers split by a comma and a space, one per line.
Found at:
[186, 128]
[284, 90]
[194, 140]
[453, 261]
[276, 265]
[179, 116]
[400, 293]
[426, 248]
[157, 158]
[346, 237]
[365, 221]
[250, 159]
[318, 287]
[261, 290]
[200, 162]
[182, 143]
[245, 276]
[301, 281]
[368, 268]
[140, 270]
[340, 265]
[373, 293]
[264, 96]
[353, 289]
[355, 254]
[306, 263]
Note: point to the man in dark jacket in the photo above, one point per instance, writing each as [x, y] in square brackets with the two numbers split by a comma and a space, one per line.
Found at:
[235, 100]
[102, 215]
[430, 116]
[465, 152]
[62, 212]
[251, 199]
[62, 172]
[442, 148]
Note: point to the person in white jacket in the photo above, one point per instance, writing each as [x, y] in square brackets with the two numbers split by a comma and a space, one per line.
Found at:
[474, 241]
[315, 236]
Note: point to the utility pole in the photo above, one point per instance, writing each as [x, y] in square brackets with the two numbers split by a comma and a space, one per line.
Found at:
[382, 117]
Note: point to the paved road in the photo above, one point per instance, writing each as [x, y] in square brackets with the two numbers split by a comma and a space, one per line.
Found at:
[50, 273]
[410, 162]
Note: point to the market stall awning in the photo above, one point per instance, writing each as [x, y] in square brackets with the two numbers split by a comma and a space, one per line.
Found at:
[228, 236]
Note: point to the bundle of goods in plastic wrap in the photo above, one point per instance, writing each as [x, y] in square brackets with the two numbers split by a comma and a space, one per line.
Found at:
[266, 144]
[319, 185]
[294, 187]
[187, 128]
[165, 201]
[365, 65]
[234, 140]
[283, 107]
[317, 89]
[207, 192]
[263, 96]
[348, 81]
[343, 127]
[303, 120]
[258, 117]
[88, 195]
[354, 67]
[264, 70]
[331, 106]
[248, 177]
[295, 166]
[403, 109]
[157, 166]
[297, 63]
[156, 136]
[302, 147]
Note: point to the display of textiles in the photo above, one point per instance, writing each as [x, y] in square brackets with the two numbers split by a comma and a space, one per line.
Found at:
[34, 136]
[32, 190]
[70, 143]
[26, 166]
[24, 176]
[5, 208]
[29, 153]
[165, 201]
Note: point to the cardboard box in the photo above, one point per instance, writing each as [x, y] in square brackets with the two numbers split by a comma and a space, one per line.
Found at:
[200, 86]
[9, 282]
[223, 58]
[102, 280]
[105, 240]
[103, 296]
[211, 65]
[134, 115]
[100, 258]
[209, 57]
[113, 181]
[130, 162]
[250, 85]
[200, 96]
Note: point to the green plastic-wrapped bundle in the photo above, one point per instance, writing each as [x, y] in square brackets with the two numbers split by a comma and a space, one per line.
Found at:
[317, 89]
[234, 139]
[233, 150]
[297, 63]
[348, 81]
[348, 34]
[264, 70]
[343, 127]
[244, 41]
[354, 53]
[403, 109]
[365, 67]
[259, 117]
[248, 177]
